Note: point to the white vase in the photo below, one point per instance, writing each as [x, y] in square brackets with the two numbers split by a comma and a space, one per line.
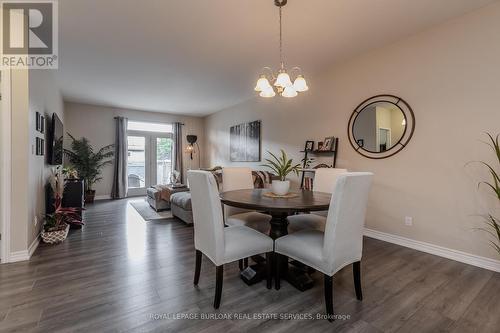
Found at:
[280, 187]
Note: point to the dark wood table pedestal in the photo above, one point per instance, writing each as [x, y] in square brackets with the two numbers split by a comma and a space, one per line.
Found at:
[297, 275]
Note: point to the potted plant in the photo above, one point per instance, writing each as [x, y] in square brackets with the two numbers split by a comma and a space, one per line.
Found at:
[56, 225]
[88, 163]
[70, 173]
[282, 167]
[493, 223]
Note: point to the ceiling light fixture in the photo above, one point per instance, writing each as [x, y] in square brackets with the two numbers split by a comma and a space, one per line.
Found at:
[281, 82]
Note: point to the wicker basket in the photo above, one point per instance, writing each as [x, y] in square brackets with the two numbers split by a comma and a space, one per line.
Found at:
[52, 237]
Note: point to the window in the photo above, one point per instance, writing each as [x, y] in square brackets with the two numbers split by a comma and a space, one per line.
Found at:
[150, 155]
[142, 126]
[136, 161]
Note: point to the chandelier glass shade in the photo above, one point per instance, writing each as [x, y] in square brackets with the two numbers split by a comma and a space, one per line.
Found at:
[270, 83]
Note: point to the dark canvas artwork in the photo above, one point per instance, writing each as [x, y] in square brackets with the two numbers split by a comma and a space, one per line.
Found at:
[245, 142]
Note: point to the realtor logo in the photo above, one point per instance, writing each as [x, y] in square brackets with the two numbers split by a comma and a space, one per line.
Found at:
[29, 34]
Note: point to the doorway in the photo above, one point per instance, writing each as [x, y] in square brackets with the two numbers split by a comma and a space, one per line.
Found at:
[150, 156]
[384, 139]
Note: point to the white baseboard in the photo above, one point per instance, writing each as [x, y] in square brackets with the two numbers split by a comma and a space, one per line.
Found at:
[103, 197]
[34, 246]
[19, 256]
[25, 254]
[467, 258]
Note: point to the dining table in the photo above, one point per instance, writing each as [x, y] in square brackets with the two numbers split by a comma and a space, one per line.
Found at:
[263, 200]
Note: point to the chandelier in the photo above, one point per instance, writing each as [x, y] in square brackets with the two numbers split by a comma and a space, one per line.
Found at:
[269, 83]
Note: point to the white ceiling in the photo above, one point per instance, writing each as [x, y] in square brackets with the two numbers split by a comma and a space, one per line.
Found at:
[197, 57]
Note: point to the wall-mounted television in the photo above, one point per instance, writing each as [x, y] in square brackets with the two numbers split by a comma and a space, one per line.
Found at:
[56, 136]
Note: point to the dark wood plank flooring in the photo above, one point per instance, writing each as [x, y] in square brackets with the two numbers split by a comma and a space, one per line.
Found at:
[121, 273]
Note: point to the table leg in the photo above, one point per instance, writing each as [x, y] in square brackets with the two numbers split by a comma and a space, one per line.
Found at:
[298, 278]
[256, 273]
[279, 225]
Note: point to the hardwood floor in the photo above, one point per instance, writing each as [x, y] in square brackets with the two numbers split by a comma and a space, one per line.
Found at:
[121, 273]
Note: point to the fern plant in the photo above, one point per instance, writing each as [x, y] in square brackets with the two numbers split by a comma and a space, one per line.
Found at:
[493, 223]
[282, 166]
[86, 162]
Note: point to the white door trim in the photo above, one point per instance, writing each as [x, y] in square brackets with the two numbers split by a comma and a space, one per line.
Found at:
[5, 165]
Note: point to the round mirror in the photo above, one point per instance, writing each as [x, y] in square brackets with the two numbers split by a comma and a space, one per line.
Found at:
[381, 126]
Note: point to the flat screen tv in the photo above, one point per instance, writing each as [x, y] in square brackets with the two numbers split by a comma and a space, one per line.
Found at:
[56, 136]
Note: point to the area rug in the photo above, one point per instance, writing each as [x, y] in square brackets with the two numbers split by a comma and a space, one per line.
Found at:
[148, 213]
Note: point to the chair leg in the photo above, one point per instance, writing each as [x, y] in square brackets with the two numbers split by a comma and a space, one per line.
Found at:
[269, 269]
[197, 268]
[277, 263]
[329, 297]
[218, 285]
[240, 264]
[356, 272]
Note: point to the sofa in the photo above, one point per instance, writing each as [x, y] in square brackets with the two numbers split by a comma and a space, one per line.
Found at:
[181, 202]
[154, 199]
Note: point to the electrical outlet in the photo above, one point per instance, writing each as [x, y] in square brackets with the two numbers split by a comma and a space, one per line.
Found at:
[408, 221]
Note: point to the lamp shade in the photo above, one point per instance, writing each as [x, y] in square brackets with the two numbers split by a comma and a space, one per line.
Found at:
[300, 84]
[283, 80]
[289, 92]
[262, 83]
[269, 92]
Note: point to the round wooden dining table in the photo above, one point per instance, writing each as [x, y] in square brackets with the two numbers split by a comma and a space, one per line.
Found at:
[280, 208]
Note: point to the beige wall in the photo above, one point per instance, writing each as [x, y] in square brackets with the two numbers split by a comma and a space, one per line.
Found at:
[20, 158]
[46, 99]
[96, 123]
[450, 75]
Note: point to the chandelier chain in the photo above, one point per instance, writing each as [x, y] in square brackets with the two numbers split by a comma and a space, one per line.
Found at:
[281, 41]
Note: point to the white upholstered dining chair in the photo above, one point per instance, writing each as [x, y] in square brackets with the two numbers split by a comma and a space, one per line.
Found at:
[240, 178]
[220, 244]
[342, 242]
[324, 181]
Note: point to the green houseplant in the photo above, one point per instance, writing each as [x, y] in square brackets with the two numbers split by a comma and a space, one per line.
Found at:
[56, 224]
[88, 163]
[492, 226]
[282, 166]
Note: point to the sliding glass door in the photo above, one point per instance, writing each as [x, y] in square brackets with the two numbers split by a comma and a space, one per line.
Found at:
[137, 165]
[149, 160]
[163, 159]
